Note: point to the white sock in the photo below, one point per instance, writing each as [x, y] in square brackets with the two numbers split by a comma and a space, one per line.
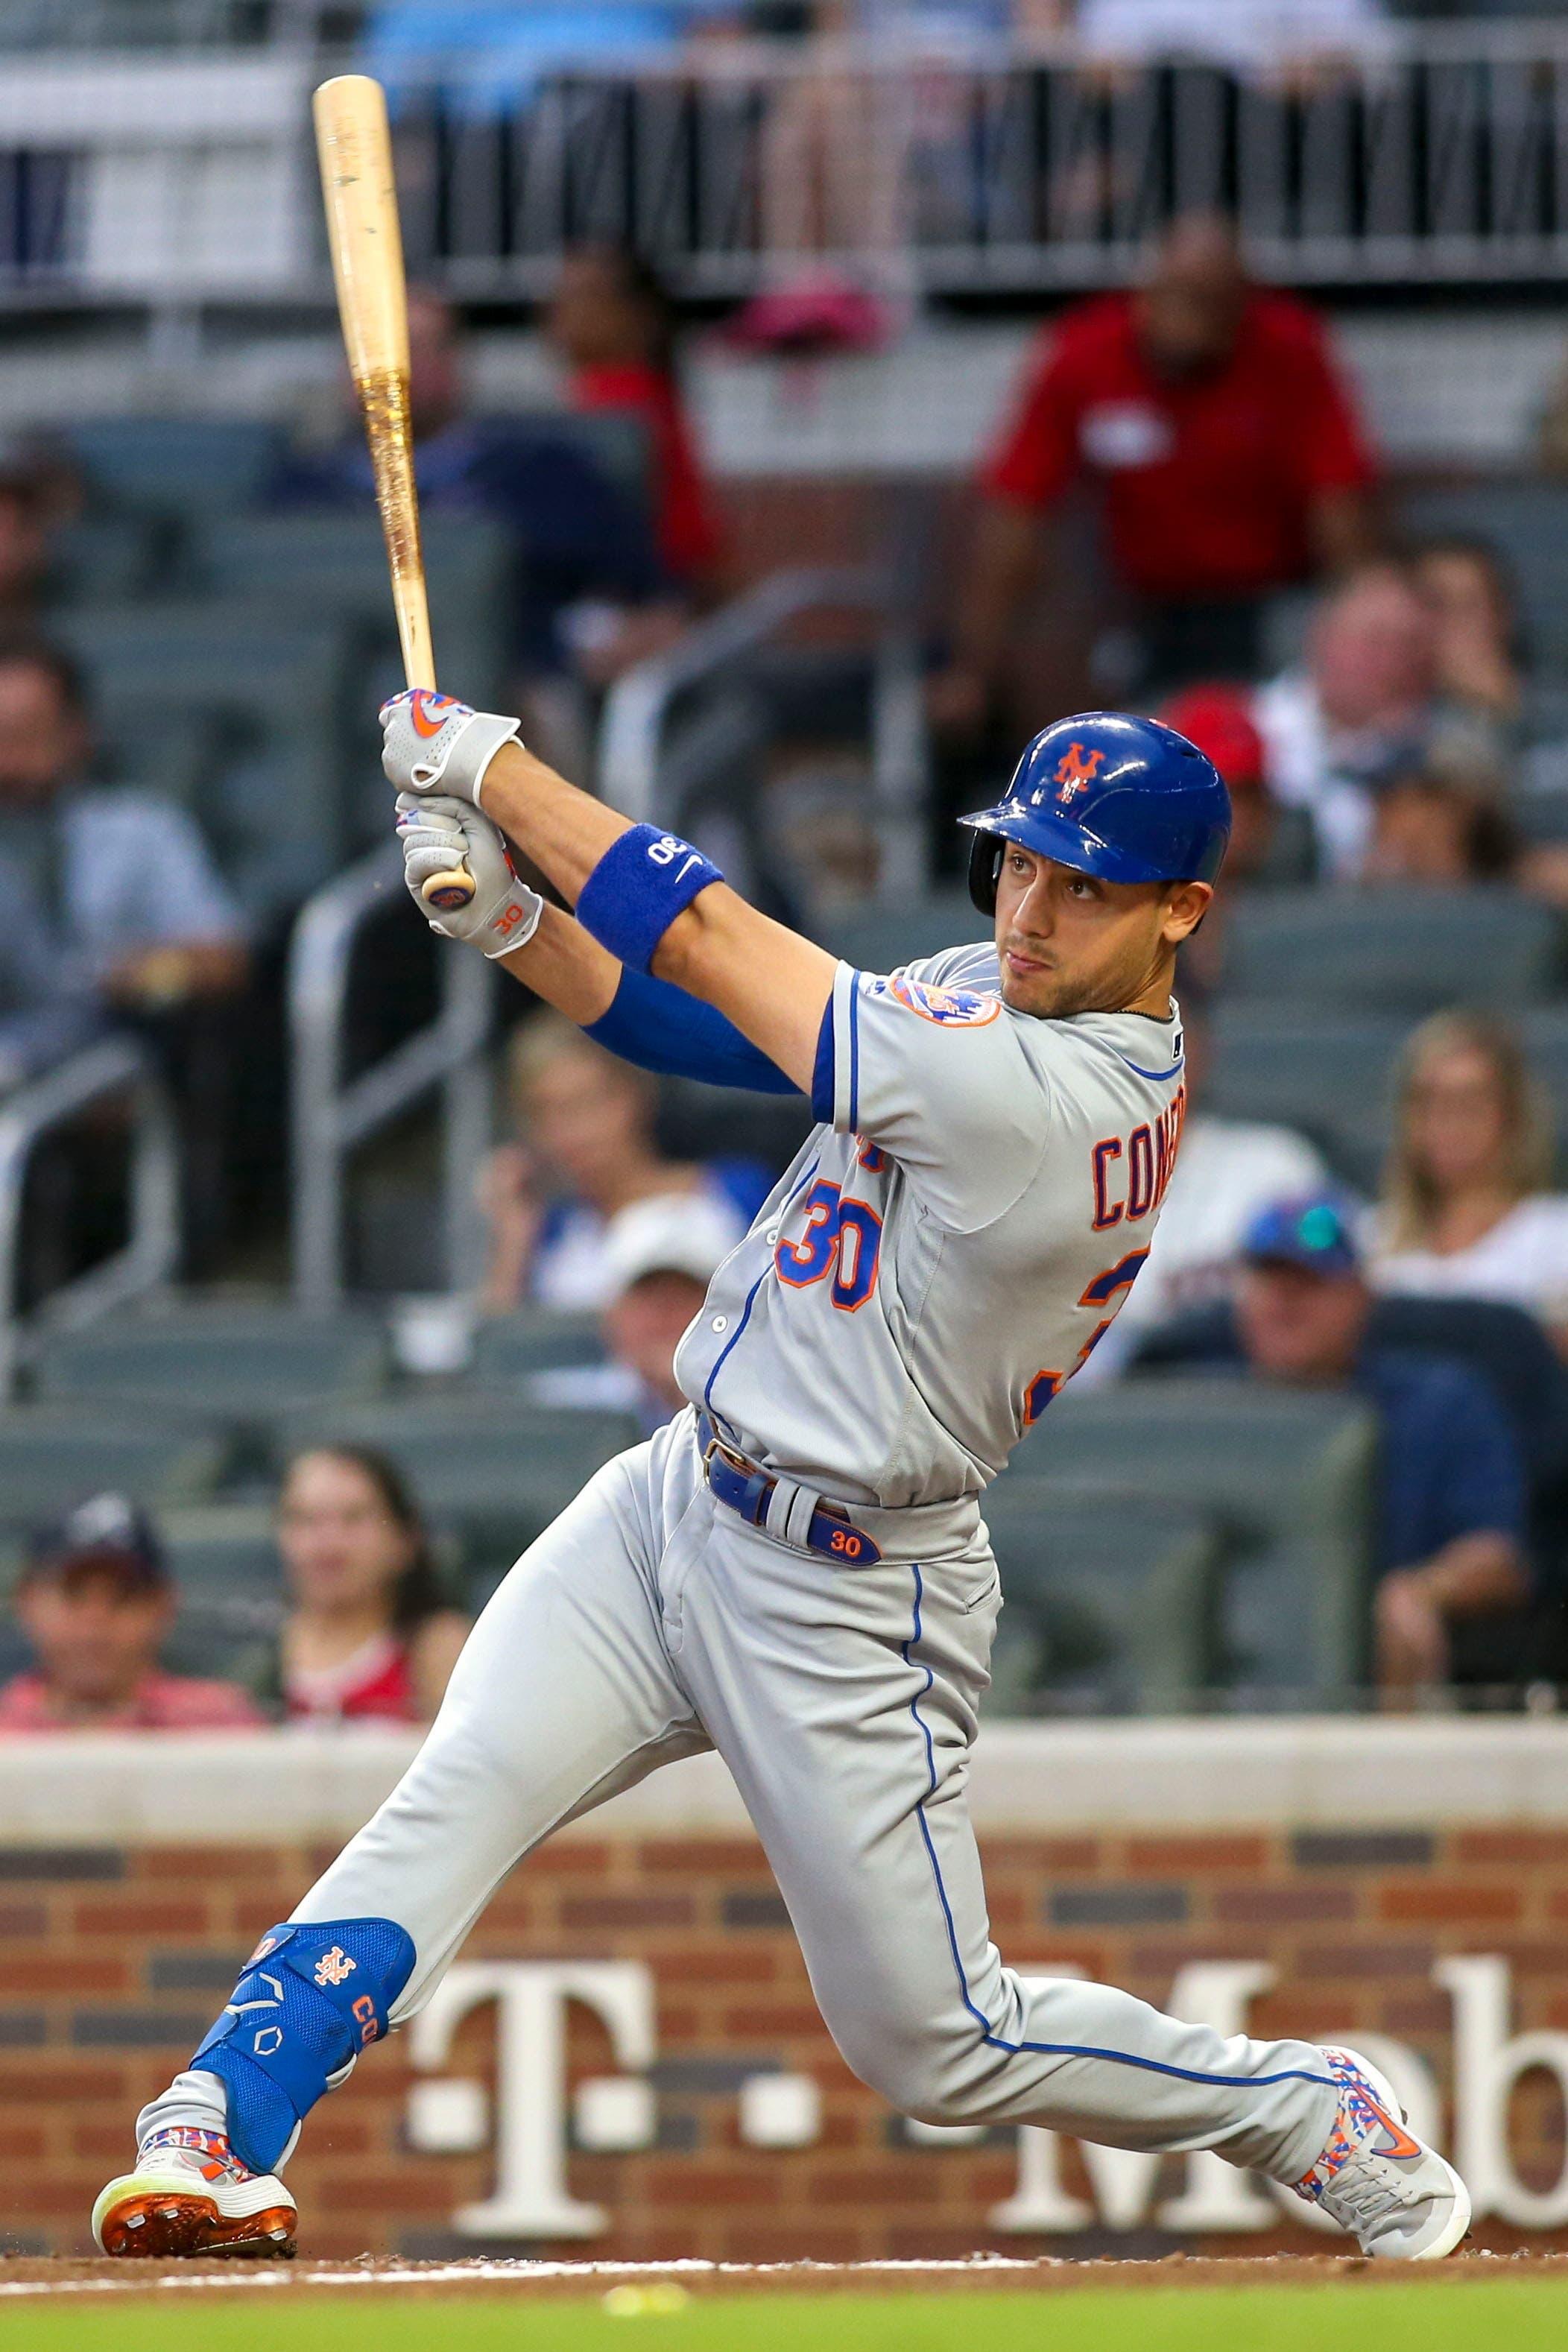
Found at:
[197, 2101]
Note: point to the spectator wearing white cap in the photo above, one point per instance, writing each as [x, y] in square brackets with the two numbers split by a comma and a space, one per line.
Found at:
[660, 1255]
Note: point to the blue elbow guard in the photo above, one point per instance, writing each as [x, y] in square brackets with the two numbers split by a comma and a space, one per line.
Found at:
[642, 882]
[311, 1998]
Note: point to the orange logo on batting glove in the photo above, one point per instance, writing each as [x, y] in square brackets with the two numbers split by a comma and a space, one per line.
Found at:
[429, 711]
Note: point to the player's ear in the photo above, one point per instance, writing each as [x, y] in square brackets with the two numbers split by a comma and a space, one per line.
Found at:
[1187, 903]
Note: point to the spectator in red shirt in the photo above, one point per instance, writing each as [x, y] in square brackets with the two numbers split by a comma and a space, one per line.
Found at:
[612, 321]
[1208, 415]
[96, 1601]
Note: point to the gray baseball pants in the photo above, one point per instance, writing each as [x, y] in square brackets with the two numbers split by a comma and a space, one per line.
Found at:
[649, 1622]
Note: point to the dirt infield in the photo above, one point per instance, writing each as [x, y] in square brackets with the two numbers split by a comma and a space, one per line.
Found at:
[41, 2278]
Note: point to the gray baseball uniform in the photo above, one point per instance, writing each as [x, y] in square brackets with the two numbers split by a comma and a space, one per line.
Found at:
[945, 1249]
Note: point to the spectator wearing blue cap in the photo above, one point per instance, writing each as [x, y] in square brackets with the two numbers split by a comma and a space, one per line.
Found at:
[1448, 1538]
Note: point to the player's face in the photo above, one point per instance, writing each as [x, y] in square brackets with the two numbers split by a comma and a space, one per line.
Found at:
[1068, 942]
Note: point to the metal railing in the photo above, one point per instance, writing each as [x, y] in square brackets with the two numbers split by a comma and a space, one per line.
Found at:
[100, 1073]
[632, 769]
[1435, 153]
[331, 1116]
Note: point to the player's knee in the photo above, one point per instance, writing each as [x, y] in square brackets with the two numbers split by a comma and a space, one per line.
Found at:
[924, 2071]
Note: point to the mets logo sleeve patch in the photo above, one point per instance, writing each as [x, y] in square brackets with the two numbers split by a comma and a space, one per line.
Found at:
[929, 1063]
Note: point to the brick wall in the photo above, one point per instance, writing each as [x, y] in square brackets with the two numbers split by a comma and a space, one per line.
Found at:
[112, 1962]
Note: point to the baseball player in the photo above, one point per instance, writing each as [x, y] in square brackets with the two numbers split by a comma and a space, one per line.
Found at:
[795, 1571]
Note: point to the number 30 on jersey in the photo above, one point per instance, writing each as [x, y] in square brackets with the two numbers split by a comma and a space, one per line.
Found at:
[842, 1239]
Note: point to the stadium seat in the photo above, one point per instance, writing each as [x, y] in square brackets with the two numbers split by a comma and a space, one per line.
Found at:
[1288, 1475]
[1331, 1075]
[224, 1563]
[175, 467]
[699, 1122]
[511, 1347]
[269, 686]
[1401, 950]
[334, 565]
[223, 1551]
[1110, 1600]
[881, 938]
[100, 559]
[54, 1455]
[493, 1472]
[244, 1364]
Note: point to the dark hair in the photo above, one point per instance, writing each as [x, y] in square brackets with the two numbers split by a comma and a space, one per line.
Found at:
[420, 1592]
[1472, 547]
[641, 284]
[21, 649]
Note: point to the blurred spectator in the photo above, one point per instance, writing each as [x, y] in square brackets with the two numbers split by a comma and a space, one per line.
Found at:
[1359, 711]
[659, 1257]
[1428, 830]
[1466, 1211]
[1448, 1539]
[120, 882]
[23, 547]
[491, 56]
[580, 539]
[1227, 1171]
[585, 1150]
[1210, 415]
[1476, 621]
[1218, 719]
[612, 321]
[368, 1635]
[1242, 33]
[96, 1602]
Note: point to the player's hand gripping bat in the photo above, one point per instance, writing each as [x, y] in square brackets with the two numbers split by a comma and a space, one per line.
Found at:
[354, 149]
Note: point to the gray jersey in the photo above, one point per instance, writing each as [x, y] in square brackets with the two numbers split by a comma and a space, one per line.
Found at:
[950, 1242]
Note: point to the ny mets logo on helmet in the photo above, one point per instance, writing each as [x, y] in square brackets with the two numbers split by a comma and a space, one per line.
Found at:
[958, 1008]
[1077, 769]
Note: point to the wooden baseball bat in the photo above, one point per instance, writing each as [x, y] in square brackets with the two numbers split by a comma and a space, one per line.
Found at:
[354, 147]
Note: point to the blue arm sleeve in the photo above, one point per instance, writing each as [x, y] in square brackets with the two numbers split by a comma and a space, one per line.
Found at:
[659, 1027]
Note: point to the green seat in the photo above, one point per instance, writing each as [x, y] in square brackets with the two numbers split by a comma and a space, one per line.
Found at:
[54, 1455]
[223, 1551]
[100, 559]
[176, 465]
[1403, 950]
[268, 688]
[538, 1340]
[245, 1364]
[1110, 1600]
[1288, 1475]
[880, 939]
[336, 563]
[492, 1472]
[1329, 1074]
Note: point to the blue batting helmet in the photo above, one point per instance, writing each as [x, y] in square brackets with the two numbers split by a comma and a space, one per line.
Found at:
[1124, 798]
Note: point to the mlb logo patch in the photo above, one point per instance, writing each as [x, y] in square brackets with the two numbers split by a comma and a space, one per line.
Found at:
[955, 1008]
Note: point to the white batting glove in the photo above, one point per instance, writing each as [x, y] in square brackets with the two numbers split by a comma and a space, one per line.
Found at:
[439, 833]
[432, 744]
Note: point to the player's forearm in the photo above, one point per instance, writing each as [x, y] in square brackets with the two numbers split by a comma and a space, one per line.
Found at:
[566, 967]
[771, 983]
[565, 831]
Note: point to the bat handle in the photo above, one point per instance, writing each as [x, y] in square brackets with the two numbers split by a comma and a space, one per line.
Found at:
[448, 892]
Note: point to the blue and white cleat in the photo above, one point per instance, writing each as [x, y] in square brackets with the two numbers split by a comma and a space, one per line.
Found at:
[190, 2194]
[1398, 2198]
